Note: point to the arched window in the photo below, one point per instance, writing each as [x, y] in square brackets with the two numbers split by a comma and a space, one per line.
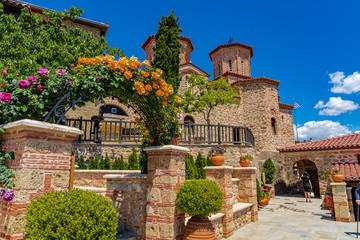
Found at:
[187, 84]
[273, 126]
[189, 120]
[230, 66]
[113, 110]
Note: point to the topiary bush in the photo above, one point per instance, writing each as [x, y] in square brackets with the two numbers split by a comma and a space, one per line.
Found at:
[133, 160]
[119, 164]
[269, 169]
[190, 168]
[93, 164]
[76, 215]
[200, 163]
[105, 163]
[199, 197]
[81, 163]
[259, 191]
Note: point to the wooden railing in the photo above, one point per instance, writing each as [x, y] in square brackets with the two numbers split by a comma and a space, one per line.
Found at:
[124, 132]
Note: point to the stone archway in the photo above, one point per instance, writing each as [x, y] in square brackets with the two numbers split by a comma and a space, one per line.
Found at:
[309, 166]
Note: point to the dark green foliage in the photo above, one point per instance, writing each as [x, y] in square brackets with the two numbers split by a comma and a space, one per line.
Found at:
[79, 215]
[100, 163]
[93, 164]
[200, 163]
[81, 163]
[258, 191]
[143, 160]
[133, 160]
[208, 161]
[167, 49]
[119, 164]
[190, 168]
[269, 169]
[199, 197]
[105, 163]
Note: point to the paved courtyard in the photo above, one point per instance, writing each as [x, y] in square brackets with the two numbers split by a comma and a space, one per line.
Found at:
[293, 218]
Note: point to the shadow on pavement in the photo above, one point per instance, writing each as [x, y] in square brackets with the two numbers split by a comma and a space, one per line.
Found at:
[352, 234]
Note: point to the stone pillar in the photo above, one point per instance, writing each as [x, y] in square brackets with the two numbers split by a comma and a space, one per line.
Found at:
[42, 163]
[341, 206]
[350, 202]
[222, 175]
[247, 188]
[166, 172]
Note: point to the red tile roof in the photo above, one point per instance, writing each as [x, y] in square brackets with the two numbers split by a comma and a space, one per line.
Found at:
[351, 171]
[285, 106]
[342, 142]
[232, 45]
[250, 80]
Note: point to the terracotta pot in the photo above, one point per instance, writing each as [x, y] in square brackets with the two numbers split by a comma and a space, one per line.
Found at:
[332, 211]
[330, 201]
[244, 162]
[217, 159]
[175, 141]
[337, 177]
[325, 201]
[199, 227]
[267, 200]
[262, 202]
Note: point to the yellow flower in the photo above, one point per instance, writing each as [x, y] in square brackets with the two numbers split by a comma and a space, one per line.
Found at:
[171, 89]
[146, 63]
[159, 71]
[133, 59]
[177, 99]
[128, 74]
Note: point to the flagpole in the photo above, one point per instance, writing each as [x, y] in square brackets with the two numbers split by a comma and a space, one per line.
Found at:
[297, 136]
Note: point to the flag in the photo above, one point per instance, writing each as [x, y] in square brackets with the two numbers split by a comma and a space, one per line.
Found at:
[296, 105]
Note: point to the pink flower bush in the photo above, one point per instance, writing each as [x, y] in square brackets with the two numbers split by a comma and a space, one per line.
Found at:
[43, 71]
[5, 97]
[31, 79]
[5, 148]
[98, 78]
[9, 195]
[72, 65]
[23, 84]
[4, 71]
[39, 87]
[61, 72]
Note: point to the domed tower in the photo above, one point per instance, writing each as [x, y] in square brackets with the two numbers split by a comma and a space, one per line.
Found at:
[231, 61]
[185, 50]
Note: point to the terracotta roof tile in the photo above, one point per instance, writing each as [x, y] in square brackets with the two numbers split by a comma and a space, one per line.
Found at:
[232, 45]
[351, 171]
[341, 142]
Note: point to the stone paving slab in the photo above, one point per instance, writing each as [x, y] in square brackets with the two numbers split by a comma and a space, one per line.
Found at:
[293, 218]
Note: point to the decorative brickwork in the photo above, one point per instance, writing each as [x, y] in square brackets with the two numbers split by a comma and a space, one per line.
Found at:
[242, 214]
[247, 189]
[128, 193]
[42, 163]
[222, 175]
[166, 172]
[340, 198]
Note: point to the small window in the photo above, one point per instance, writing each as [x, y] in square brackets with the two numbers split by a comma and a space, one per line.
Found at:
[219, 70]
[242, 67]
[187, 84]
[273, 126]
[112, 110]
[230, 66]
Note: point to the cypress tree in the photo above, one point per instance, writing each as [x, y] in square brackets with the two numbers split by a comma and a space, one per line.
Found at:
[105, 164]
[167, 49]
[190, 168]
[93, 163]
[200, 164]
[133, 160]
[208, 161]
[119, 163]
[101, 162]
[81, 163]
[269, 169]
[143, 160]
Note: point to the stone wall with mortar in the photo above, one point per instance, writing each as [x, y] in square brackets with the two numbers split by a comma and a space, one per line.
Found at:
[95, 178]
[217, 223]
[128, 193]
[235, 189]
[323, 159]
[242, 217]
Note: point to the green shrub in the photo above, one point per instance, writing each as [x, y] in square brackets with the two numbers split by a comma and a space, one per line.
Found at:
[79, 215]
[143, 160]
[269, 169]
[119, 164]
[81, 163]
[133, 160]
[199, 197]
[208, 161]
[200, 163]
[93, 164]
[190, 168]
[105, 163]
[259, 191]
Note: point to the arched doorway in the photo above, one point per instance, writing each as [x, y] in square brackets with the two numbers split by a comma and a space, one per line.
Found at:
[306, 165]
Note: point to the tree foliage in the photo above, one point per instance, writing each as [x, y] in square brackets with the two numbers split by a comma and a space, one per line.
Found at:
[133, 163]
[200, 163]
[94, 163]
[167, 49]
[203, 96]
[259, 191]
[81, 163]
[269, 169]
[190, 167]
[119, 164]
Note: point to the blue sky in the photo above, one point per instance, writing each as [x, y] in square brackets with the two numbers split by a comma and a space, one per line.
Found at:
[312, 47]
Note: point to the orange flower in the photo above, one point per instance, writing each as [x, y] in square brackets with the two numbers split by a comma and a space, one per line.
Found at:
[123, 62]
[122, 70]
[81, 60]
[79, 66]
[137, 120]
[159, 71]
[164, 102]
[132, 65]
[166, 95]
[133, 59]
[151, 140]
[146, 63]
[147, 131]
[113, 65]
[155, 86]
[148, 87]
[159, 93]
[128, 74]
[144, 73]
[171, 89]
[138, 63]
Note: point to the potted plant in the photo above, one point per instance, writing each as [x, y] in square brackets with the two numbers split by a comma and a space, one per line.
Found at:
[266, 194]
[336, 175]
[245, 160]
[217, 154]
[199, 199]
[260, 195]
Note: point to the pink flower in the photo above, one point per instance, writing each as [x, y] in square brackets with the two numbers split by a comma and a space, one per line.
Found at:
[4, 71]
[43, 71]
[98, 78]
[9, 195]
[31, 79]
[5, 148]
[5, 97]
[23, 84]
[61, 72]
[39, 87]
[72, 65]
[17, 75]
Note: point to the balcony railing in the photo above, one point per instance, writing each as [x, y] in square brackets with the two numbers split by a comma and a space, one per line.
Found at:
[124, 132]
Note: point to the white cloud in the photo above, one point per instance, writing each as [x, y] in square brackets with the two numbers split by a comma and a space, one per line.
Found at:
[336, 106]
[349, 84]
[322, 129]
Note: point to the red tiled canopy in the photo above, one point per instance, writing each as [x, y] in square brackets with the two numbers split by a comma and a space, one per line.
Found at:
[341, 142]
[351, 171]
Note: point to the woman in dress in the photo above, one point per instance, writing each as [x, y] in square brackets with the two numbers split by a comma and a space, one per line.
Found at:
[306, 185]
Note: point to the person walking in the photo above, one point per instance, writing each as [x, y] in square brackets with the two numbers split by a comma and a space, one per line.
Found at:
[306, 185]
[357, 194]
